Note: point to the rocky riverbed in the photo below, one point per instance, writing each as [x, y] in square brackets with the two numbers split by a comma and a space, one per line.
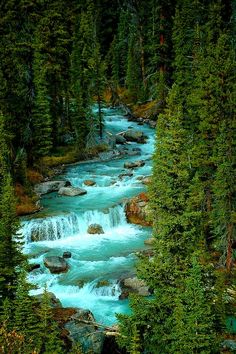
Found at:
[91, 220]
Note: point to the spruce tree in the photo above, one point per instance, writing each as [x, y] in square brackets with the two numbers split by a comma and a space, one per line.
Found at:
[10, 246]
[48, 328]
[25, 319]
[42, 121]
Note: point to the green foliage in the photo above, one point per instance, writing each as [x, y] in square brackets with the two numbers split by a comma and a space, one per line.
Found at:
[8, 224]
[48, 328]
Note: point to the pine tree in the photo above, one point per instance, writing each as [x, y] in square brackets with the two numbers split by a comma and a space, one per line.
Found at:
[193, 317]
[42, 121]
[82, 62]
[48, 329]
[25, 318]
[8, 223]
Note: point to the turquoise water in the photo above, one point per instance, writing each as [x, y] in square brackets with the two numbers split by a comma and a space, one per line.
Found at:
[108, 256]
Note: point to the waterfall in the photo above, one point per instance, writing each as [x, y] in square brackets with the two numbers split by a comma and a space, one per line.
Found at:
[63, 226]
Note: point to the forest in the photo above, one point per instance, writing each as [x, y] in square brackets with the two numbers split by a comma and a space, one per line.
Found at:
[67, 68]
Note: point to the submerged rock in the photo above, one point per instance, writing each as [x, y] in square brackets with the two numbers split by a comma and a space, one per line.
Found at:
[95, 229]
[50, 186]
[135, 286]
[89, 183]
[136, 210]
[128, 174]
[134, 164]
[56, 264]
[71, 191]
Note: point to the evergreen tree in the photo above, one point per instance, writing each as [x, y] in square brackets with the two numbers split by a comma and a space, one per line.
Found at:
[48, 328]
[42, 121]
[8, 223]
[83, 63]
[25, 320]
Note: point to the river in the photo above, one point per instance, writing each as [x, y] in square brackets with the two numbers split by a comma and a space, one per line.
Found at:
[64, 221]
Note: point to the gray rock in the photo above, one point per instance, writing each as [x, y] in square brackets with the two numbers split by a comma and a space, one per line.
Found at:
[134, 164]
[146, 180]
[54, 302]
[56, 264]
[133, 153]
[50, 186]
[152, 124]
[135, 286]
[95, 229]
[135, 135]
[71, 191]
[150, 241]
[83, 330]
[120, 139]
[229, 344]
[128, 174]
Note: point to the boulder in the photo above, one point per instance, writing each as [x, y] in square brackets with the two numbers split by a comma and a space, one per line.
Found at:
[53, 301]
[152, 124]
[137, 149]
[66, 254]
[146, 253]
[50, 186]
[56, 264]
[95, 229]
[150, 241]
[146, 180]
[133, 153]
[71, 191]
[79, 328]
[120, 139]
[135, 135]
[128, 174]
[134, 164]
[134, 286]
[229, 344]
[137, 211]
[89, 183]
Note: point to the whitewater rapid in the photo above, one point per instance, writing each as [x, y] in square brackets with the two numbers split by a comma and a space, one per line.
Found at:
[98, 262]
